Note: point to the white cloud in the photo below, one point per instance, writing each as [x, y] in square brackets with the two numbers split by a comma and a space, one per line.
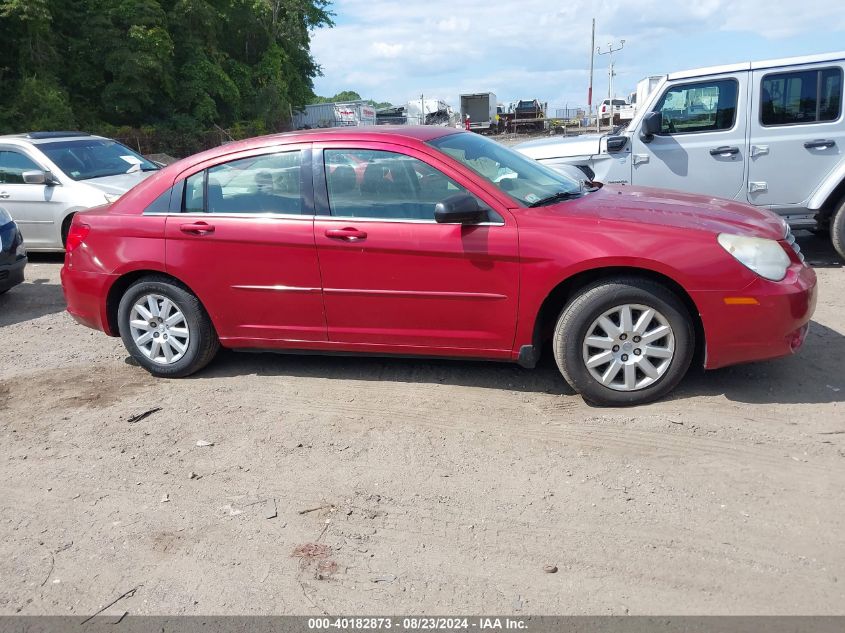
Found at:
[538, 48]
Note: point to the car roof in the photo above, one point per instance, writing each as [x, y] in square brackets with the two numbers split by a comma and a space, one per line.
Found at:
[379, 133]
[37, 138]
[768, 63]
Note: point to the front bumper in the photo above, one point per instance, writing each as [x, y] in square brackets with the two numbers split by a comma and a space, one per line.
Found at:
[739, 331]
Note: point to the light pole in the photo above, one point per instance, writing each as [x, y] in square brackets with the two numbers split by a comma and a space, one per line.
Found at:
[610, 50]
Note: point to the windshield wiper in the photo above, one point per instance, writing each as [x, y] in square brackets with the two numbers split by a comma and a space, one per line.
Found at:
[560, 195]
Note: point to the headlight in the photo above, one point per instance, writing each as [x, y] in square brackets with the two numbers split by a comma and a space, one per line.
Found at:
[111, 197]
[21, 250]
[5, 218]
[765, 257]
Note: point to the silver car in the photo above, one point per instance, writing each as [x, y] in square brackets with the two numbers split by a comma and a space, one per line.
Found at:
[46, 177]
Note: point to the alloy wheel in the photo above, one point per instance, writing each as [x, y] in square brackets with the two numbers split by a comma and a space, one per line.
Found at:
[629, 347]
[159, 329]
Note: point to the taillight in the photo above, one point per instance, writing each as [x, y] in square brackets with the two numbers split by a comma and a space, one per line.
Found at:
[77, 234]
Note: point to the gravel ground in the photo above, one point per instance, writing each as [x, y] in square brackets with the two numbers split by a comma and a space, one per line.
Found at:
[403, 486]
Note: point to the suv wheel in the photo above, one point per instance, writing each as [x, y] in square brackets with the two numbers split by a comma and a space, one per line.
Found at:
[165, 328]
[624, 342]
[837, 230]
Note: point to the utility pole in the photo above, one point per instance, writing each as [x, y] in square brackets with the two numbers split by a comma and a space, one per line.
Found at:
[592, 57]
[610, 50]
[422, 109]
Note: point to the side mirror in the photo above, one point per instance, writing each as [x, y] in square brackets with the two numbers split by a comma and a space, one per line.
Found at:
[616, 143]
[461, 208]
[652, 124]
[34, 177]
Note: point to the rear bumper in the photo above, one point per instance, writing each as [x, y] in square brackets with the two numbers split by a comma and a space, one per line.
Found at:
[85, 296]
[11, 274]
[772, 327]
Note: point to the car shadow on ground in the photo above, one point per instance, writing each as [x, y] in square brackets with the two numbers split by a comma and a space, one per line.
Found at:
[818, 250]
[811, 376]
[466, 373]
[30, 300]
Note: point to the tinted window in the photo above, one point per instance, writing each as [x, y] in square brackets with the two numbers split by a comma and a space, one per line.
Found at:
[809, 96]
[377, 184]
[269, 183]
[195, 193]
[12, 166]
[95, 158]
[700, 107]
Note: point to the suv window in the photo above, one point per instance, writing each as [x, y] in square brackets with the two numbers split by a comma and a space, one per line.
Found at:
[269, 183]
[707, 106]
[807, 96]
[12, 166]
[379, 184]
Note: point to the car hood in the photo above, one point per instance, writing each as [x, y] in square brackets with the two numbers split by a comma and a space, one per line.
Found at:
[120, 183]
[672, 208]
[556, 146]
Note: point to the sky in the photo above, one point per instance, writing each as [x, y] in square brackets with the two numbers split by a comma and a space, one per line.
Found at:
[395, 50]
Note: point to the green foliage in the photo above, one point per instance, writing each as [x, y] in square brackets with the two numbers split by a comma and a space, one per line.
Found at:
[39, 104]
[179, 65]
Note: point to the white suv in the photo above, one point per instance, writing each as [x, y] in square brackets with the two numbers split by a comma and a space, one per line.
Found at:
[46, 177]
[768, 133]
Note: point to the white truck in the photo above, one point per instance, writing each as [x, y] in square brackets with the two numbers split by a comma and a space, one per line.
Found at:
[481, 109]
[769, 133]
[620, 111]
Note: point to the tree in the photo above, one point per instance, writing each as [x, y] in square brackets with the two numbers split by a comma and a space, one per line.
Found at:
[186, 65]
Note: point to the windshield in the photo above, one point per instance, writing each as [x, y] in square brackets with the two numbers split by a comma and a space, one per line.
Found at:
[522, 178]
[95, 158]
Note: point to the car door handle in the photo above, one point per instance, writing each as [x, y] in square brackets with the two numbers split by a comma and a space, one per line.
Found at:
[347, 234]
[4, 195]
[820, 144]
[725, 150]
[197, 228]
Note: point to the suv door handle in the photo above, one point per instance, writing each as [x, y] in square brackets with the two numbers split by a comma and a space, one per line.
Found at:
[197, 228]
[820, 144]
[725, 150]
[4, 194]
[348, 234]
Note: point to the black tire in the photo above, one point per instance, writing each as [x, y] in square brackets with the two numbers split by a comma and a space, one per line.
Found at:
[66, 229]
[837, 230]
[592, 302]
[202, 344]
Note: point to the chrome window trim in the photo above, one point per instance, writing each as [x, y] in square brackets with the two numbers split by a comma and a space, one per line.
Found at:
[353, 219]
[297, 216]
[203, 214]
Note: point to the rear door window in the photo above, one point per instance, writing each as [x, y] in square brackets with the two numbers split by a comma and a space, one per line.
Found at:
[269, 183]
[807, 96]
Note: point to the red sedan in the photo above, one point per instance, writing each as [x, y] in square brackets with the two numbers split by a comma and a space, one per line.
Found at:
[445, 244]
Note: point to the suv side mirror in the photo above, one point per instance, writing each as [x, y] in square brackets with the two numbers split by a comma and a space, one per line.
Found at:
[616, 143]
[461, 208]
[37, 177]
[34, 177]
[652, 124]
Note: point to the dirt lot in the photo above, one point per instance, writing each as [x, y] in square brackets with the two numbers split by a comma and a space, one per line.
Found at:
[441, 486]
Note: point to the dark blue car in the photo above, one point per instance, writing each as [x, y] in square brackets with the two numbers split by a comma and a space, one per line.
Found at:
[12, 253]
